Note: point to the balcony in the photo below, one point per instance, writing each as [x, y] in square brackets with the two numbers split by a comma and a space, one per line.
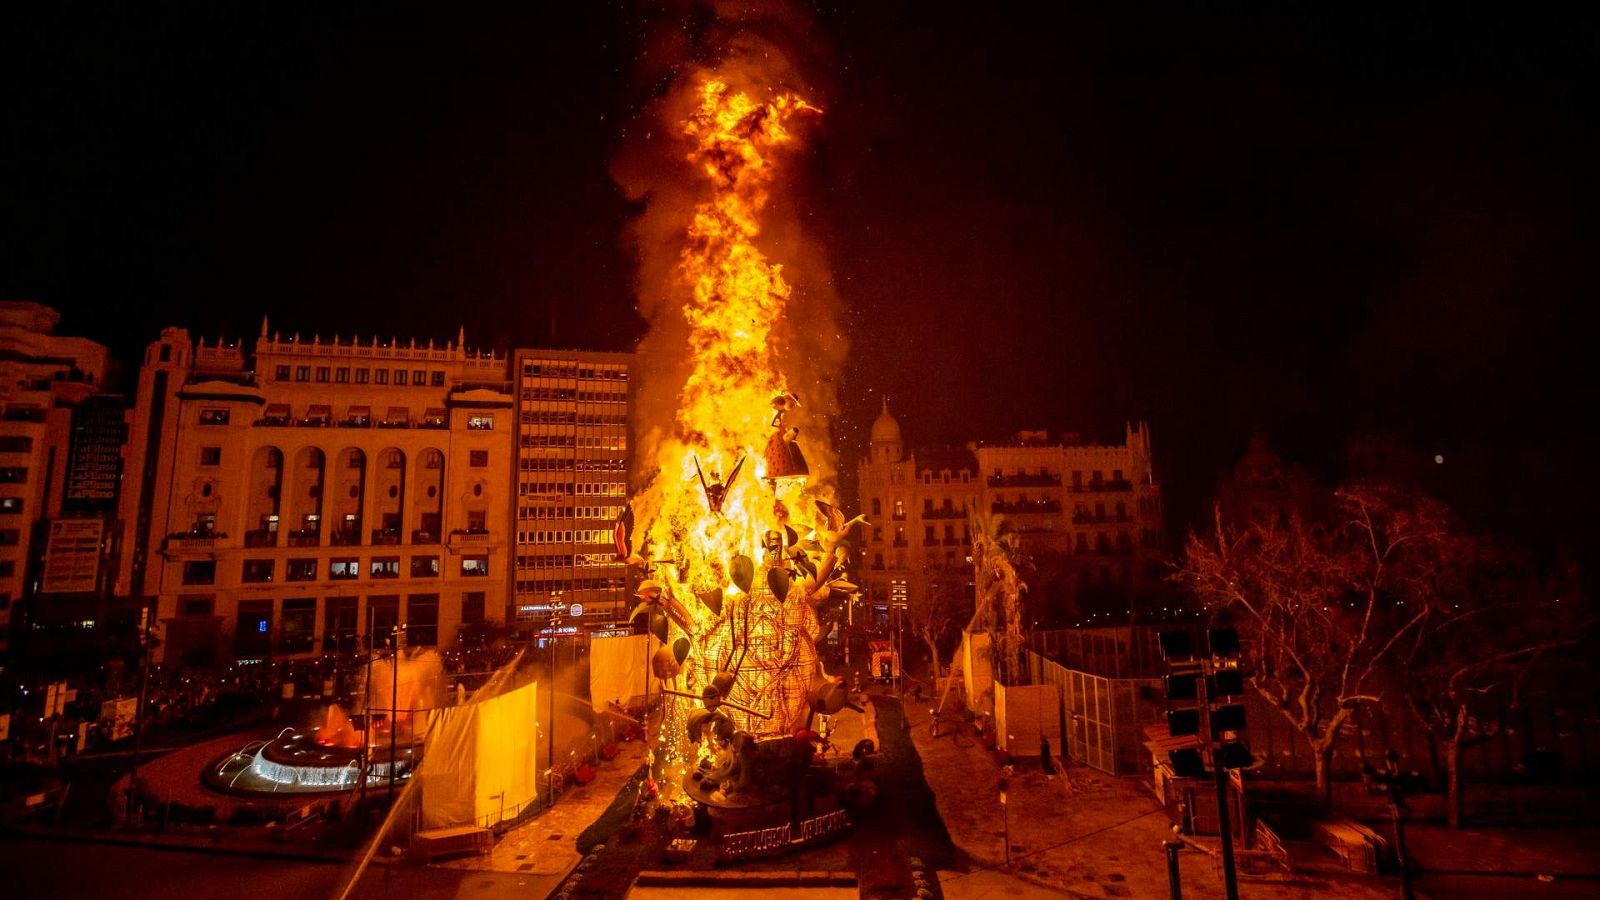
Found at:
[1027, 507]
[901, 542]
[930, 542]
[1088, 518]
[385, 537]
[424, 537]
[193, 541]
[944, 514]
[305, 537]
[346, 537]
[1095, 487]
[261, 537]
[1023, 479]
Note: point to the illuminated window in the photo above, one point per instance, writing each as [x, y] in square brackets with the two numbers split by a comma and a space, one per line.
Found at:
[257, 570]
[322, 374]
[302, 373]
[301, 570]
[380, 376]
[480, 422]
[344, 569]
[386, 567]
[475, 566]
[399, 376]
[341, 375]
[424, 566]
[361, 376]
[213, 417]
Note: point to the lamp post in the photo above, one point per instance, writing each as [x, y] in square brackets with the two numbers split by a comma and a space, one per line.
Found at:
[558, 611]
[146, 616]
[394, 700]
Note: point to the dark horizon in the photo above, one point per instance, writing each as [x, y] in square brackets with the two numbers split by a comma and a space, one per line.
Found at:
[1318, 222]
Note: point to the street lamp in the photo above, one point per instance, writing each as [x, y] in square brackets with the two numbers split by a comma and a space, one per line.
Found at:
[558, 611]
[394, 699]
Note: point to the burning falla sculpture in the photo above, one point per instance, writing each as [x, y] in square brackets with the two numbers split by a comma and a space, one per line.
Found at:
[752, 667]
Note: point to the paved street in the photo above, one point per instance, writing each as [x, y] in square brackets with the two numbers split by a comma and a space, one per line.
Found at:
[50, 868]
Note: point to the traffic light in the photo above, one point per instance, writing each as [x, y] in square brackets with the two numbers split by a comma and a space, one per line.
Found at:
[1187, 763]
[1224, 643]
[1226, 683]
[1177, 646]
[1183, 722]
[1227, 718]
[1183, 687]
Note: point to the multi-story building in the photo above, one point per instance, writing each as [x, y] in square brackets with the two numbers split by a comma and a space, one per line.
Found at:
[1089, 515]
[50, 385]
[315, 494]
[571, 484]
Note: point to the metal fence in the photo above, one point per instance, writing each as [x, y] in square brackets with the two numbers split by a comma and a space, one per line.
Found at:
[1102, 718]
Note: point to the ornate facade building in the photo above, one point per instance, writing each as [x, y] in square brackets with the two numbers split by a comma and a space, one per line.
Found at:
[55, 473]
[1089, 516]
[313, 495]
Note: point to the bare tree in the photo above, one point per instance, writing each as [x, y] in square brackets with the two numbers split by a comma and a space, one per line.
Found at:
[1323, 606]
[934, 614]
[1492, 628]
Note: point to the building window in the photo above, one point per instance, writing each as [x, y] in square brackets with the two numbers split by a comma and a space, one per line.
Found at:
[472, 607]
[200, 571]
[877, 506]
[10, 537]
[341, 375]
[422, 620]
[380, 376]
[399, 376]
[302, 373]
[475, 566]
[299, 626]
[10, 505]
[257, 570]
[322, 374]
[899, 509]
[424, 567]
[8, 569]
[166, 353]
[927, 506]
[210, 456]
[385, 567]
[438, 379]
[478, 459]
[196, 606]
[361, 376]
[345, 569]
[419, 377]
[477, 521]
[480, 422]
[213, 416]
[281, 373]
[16, 443]
[301, 570]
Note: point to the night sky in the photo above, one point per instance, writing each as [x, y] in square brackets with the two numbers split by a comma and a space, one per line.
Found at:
[1305, 218]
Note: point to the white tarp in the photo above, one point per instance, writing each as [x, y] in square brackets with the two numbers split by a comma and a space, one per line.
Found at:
[481, 763]
[617, 668]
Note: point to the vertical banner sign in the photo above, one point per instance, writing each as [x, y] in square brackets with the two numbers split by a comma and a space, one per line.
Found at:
[72, 556]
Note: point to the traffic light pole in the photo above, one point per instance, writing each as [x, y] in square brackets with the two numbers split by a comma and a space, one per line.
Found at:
[1230, 879]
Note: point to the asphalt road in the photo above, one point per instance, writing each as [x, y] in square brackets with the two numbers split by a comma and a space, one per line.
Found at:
[47, 868]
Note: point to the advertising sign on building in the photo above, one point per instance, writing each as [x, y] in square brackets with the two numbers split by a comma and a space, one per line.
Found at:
[72, 555]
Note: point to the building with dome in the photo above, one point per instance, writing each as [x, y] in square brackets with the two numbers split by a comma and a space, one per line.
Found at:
[1089, 514]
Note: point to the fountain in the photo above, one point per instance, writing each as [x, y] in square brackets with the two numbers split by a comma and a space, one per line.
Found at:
[329, 758]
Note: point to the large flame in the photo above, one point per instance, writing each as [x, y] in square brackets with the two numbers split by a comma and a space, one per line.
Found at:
[735, 309]
[736, 302]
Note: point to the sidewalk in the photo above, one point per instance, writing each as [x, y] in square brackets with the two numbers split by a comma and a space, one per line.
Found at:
[546, 845]
[1082, 835]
